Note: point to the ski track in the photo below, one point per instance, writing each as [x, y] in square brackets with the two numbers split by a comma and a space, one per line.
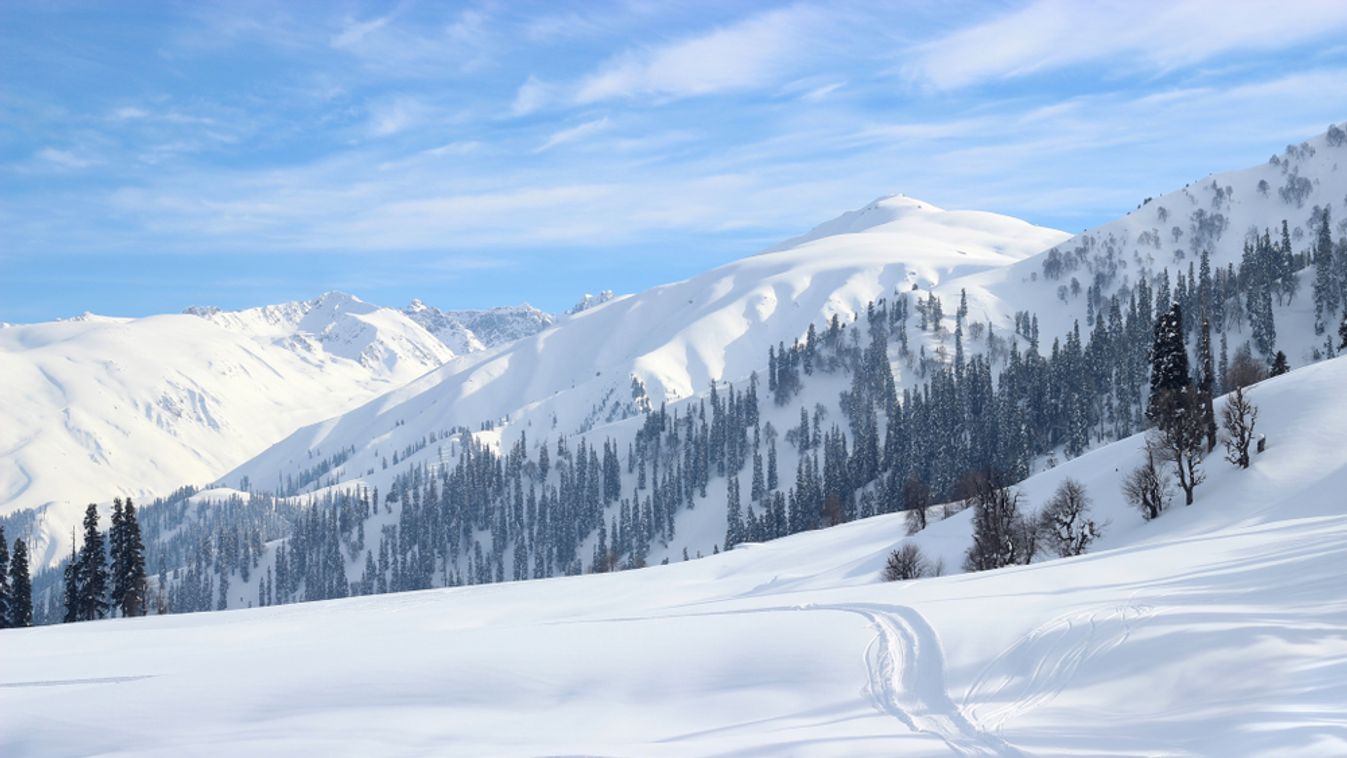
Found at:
[905, 669]
[1057, 650]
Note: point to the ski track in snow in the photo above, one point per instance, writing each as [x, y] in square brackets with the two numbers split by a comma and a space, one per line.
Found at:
[905, 669]
[1054, 652]
[907, 678]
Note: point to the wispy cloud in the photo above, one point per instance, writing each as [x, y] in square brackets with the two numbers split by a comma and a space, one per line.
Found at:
[67, 159]
[393, 115]
[749, 53]
[574, 133]
[1052, 34]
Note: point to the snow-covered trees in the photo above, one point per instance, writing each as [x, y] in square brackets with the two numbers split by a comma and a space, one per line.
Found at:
[20, 586]
[86, 575]
[1238, 417]
[1169, 367]
[129, 589]
[1327, 290]
[5, 593]
[1065, 522]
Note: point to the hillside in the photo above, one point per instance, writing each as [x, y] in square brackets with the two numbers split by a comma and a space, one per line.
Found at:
[1215, 629]
[674, 339]
[99, 407]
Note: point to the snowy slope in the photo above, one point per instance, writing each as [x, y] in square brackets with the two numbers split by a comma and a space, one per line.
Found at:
[674, 339]
[1217, 629]
[1216, 214]
[98, 407]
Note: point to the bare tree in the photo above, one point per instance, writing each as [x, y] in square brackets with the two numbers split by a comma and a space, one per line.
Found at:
[1000, 537]
[905, 563]
[916, 499]
[1147, 486]
[1180, 442]
[1244, 369]
[1238, 417]
[1065, 521]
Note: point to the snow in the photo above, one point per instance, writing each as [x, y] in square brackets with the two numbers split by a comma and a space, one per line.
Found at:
[674, 339]
[1216, 629]
[98, 407]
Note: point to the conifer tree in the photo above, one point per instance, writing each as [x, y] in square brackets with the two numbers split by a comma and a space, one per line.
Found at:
[6, 597]
[1326, 291]
[1169, 367]
[91, 599]
[129, 581]
[1279, 364]
[1207, 383]
[20, 587]
[734, 528]
[70, 597]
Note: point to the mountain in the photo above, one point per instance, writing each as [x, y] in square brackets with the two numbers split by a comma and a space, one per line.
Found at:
[1214, 629]
[99, 407]
[471, 331]
[985, 291]
[1216, 214]
[607, 361]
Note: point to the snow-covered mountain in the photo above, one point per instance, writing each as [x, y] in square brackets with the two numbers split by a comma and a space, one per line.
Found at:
[607, 361]
[1215, 214]
[97, 407]
[472, 331]
[1215, 629]
[596, 373]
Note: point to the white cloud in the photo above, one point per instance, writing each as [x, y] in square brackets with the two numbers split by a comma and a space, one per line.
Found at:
[574, 133]
[64, 158]
[749, 53]
[388, 117]
[130, 113]
[532, 95]
[1052, 34]
[355, 31]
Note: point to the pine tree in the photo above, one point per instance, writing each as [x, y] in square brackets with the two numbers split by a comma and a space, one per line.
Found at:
[20, 587]
[91, 600]
[1279, 364]
[1206, 386]
[129, 579]
[6, 597]
[1342, 332]
[1169, 367]
[734, 528]
[1326, 291]
[115, 540]
[70, 596]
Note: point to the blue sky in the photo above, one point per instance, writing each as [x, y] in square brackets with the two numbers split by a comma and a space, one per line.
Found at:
[158, 155]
